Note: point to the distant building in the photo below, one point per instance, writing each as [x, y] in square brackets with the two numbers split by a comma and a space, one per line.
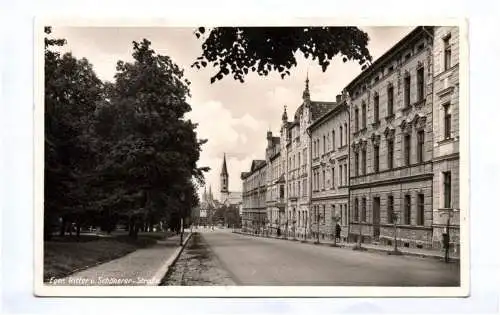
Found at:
[228, 198]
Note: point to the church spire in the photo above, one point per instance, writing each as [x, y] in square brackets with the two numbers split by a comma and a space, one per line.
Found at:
[224, 177]
[306, 96]
[224, 167]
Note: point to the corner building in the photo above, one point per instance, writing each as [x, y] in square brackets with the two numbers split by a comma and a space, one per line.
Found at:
[446, 162]
[391, 145]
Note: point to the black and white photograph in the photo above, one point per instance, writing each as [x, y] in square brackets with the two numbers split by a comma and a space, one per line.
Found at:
[255, 160]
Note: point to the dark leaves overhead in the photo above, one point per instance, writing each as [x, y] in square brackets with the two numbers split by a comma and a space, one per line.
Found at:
[240, 50]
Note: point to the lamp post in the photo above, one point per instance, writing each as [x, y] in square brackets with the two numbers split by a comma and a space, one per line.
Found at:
[395, 218]
[182, 197]
[446, 236]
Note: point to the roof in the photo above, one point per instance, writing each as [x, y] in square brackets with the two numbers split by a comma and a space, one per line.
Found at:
[328, 113]
[319, 108]
[382, 59]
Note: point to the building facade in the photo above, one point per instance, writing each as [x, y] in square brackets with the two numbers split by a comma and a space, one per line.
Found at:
[330, 164]
[391, 145]
[446, 162]
[382, 160]
[254, 210]
[275, 197]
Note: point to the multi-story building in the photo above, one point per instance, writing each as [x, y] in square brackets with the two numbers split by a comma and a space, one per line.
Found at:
[383, 159]
[446, 184]
[391, 137]
[330, 164]
[254, 197]
[275, 199]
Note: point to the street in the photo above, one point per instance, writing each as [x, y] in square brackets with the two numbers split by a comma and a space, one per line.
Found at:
[261, 261]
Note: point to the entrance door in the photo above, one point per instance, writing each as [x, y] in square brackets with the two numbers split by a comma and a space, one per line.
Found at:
[376, 218]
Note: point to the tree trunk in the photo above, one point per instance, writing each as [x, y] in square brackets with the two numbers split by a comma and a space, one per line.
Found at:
[78, 227]
[62, 228]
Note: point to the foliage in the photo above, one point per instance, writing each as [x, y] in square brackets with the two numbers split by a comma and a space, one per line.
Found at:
[123, 149]
[240, 50]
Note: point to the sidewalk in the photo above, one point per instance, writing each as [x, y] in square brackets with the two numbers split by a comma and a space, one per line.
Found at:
[436, 254]
[140, 268]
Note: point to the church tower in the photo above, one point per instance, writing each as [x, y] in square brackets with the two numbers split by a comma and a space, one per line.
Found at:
[224, 180]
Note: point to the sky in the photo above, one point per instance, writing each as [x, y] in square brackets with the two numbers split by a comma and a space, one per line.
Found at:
[233, 116]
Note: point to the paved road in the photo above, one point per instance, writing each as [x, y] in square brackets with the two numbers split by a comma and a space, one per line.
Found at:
[261, 261]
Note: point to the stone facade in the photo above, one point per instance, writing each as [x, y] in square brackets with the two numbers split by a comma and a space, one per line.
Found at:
[254, 196]
[446, 142]
[330, 194]
[383, 158]
[391, 145]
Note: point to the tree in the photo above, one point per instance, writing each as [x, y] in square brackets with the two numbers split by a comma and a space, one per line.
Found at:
[150, 151]
[240, 50]
[72, 91]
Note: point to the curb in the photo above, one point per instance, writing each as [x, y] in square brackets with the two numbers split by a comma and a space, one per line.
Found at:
[163, 270]
[367, 249]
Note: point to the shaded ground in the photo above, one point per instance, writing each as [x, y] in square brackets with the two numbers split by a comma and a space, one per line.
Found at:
[197, 266]
[66, 255]
[262, 261]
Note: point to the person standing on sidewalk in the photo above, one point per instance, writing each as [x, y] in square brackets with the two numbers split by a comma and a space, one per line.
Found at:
[338, 229]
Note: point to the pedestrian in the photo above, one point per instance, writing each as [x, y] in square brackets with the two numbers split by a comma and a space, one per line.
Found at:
[338, 229]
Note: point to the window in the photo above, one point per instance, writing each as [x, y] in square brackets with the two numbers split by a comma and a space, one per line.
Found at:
[390, 209]
[407, 90]
[363, 161]
[324, 214]
[375, 108]
[356, 119]
[282, 191]
[298, 162]
[356, 210]
[340, 175]
[345, 131]
[324, 179]
[333, 140]
[356, 164]
[345, 174]
[375, 158]
[407, 209]
[390, 100]
[363, 115]
[447, 52]
[333, 177]
[447, 189]
[363, 209]
[407, 151]
[324, 144]
[447, 121]
[390, 154]
[340, 136]
[420, 146]
[298, 189]
[420, 83]
[420, 209]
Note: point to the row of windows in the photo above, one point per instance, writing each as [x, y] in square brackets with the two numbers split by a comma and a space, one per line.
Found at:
[319, 214]
[320, 180]
[407, 148]
[330, 144]
[360, 210]
[390, 100]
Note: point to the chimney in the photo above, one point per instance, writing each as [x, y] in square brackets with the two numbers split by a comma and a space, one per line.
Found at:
[339, 98]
